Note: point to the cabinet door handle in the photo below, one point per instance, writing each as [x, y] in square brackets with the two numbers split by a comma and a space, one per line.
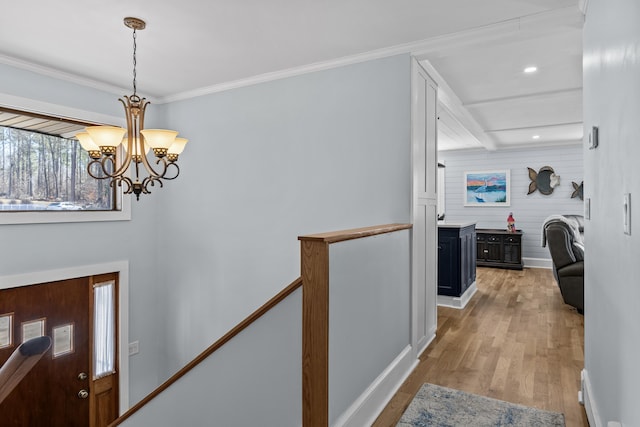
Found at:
[486, 251]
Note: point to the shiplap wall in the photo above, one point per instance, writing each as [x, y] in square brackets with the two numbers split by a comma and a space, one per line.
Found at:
[529, 211]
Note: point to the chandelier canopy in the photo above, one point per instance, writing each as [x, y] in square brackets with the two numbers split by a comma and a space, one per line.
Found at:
[103, 143]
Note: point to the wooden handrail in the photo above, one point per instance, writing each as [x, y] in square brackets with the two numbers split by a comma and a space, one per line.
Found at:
[21, 361]
[215, 346]
[354, 233]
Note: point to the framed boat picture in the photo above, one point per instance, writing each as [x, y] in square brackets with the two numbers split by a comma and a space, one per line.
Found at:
[487, 188]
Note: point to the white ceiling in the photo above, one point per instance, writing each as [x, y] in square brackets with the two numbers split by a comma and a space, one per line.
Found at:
[477, 50]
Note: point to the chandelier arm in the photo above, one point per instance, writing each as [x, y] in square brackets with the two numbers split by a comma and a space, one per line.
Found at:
[175, 165]
[127, 160]
[103, 161]
[151, 180]
[92, 164]
[128, 189]
[152, 172]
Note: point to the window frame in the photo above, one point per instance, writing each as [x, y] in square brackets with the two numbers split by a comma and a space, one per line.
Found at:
[30, 106]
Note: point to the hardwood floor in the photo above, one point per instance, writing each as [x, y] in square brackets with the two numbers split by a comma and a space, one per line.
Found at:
[515, 341]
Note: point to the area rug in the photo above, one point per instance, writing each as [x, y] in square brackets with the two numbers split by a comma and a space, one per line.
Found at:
[444, 407]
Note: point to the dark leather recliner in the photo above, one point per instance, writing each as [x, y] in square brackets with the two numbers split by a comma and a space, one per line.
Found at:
[563, 235]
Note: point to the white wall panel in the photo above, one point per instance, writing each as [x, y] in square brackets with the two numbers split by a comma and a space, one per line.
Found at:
[265, 164]
[612, 267]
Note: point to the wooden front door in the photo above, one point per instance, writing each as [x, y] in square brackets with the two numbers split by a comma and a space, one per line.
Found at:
[57, 391]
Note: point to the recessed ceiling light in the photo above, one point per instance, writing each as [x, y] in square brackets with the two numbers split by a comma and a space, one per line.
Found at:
[530, 70]
[536, 137]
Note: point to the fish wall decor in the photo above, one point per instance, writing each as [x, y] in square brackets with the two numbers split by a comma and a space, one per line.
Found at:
[577, 190]
[545, 180]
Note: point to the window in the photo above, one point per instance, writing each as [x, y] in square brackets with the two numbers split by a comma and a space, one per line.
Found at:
[43, 167]
[104, 325]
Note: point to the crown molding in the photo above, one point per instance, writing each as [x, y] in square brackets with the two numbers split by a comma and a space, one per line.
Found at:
[295, 71]
[66, 76]
[534, 23]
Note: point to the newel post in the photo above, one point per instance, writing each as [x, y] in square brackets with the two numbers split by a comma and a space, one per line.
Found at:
[315, 332]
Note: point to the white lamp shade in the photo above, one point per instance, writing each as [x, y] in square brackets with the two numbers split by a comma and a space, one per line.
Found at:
[136, 146]
[159, 138]
[86, 142]
[106, 136]
[178, 146]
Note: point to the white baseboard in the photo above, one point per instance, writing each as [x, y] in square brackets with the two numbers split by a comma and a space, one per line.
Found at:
[589, 403]
[458, 302]
[431, 335]
[537, 262]
[365, 410]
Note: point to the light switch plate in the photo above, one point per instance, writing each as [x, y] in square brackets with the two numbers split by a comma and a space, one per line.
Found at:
[626, 206]
[587, 208]
[593, 138]
[134, 348]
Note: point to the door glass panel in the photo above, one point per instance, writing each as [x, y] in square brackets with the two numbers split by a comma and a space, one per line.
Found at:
[104, 349]
[6, 338]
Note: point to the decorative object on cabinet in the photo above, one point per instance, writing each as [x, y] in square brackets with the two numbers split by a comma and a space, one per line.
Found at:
[545, 180]
[511, 223]
[577, 190]
[499, 248]
[487, 188]
[456, 264]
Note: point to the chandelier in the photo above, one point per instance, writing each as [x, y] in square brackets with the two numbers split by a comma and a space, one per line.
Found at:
[128, 165]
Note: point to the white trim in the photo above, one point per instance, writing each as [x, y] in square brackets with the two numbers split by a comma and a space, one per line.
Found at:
[62, 111]
[58, 110]
[419, 49]
[120, 267]
[295, 71]
[458, 302]
[62, 75]
[535, 23]
[431, 335]
[448, 100]
[537, 263]
[589, 404]
[583, 5]
[367, 407]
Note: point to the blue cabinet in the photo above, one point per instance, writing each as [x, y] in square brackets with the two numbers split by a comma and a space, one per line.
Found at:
[456, 259]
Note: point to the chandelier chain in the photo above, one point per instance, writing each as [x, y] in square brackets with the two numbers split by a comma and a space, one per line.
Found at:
[134, 62]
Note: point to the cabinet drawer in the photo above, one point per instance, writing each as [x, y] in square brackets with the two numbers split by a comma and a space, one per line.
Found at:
[512, 239]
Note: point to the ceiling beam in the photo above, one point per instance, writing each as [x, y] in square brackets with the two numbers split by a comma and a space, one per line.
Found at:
[529, 97]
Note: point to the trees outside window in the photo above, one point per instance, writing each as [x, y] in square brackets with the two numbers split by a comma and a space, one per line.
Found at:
[39, 171]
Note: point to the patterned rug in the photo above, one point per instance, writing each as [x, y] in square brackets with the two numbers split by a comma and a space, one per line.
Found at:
[437, 406]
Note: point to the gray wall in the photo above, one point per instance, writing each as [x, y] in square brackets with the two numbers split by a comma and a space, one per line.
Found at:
[612, 278]
[254, 379]
[529, 211]
[266, 163]
[40, 247]
[369, 313]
